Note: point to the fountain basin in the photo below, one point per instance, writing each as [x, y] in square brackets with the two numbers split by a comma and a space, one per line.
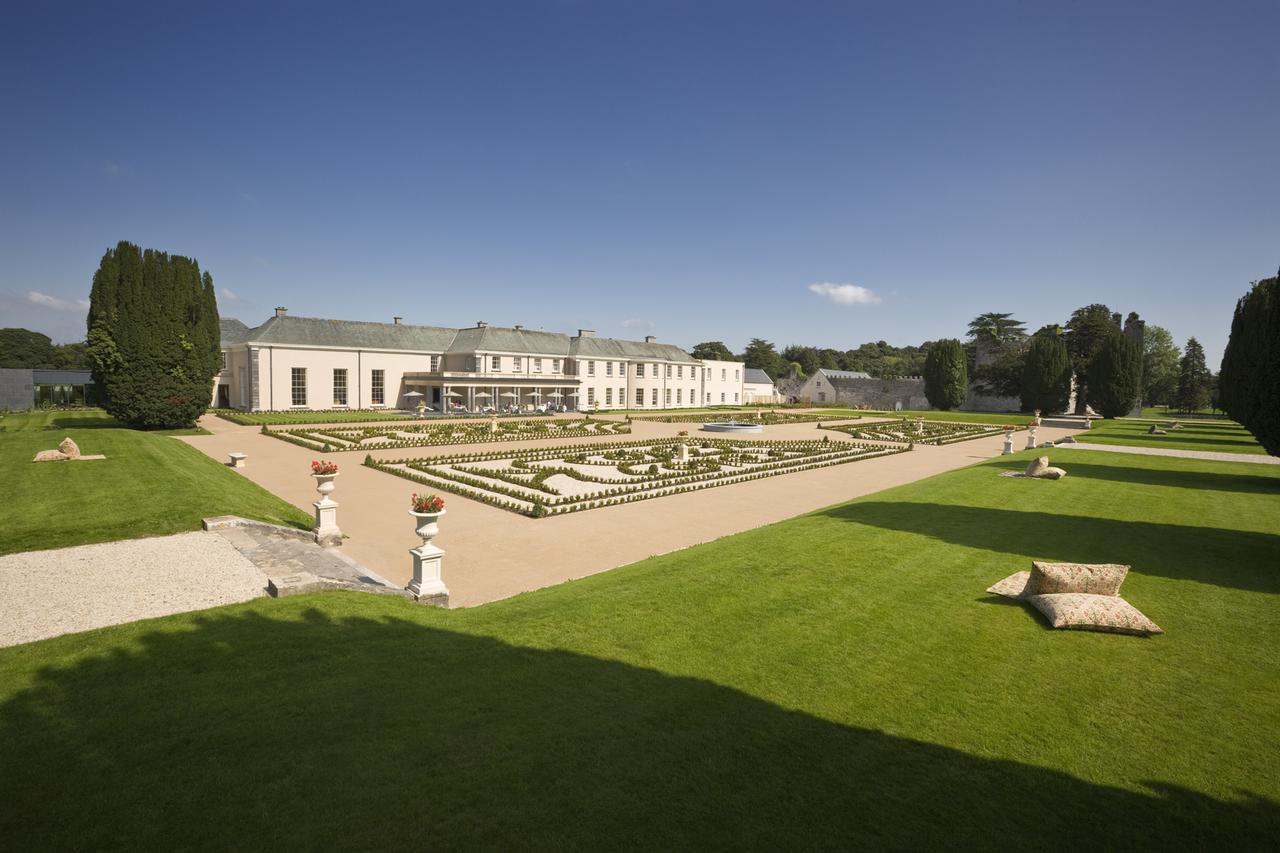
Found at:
[732, 427]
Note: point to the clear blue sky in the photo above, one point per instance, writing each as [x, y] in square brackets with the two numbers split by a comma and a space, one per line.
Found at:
[682, 169]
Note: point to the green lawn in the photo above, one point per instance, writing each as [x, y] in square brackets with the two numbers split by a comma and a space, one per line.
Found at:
[836, 681]
[1219, 436]
[150, 483]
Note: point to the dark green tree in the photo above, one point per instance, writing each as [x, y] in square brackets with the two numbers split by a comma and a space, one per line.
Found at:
[997, 328]
[712, 351]
[946, 379]
[1249, 383]
[1115, 376]
[1046, 375]
[807, 357]
[25, 348]
[1160, 357]
[1085, 332]
[761, 355]
[1194, 379]
[1003, 375]
[153, 336]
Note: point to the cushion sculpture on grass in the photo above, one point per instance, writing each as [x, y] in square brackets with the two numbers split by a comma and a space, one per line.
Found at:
[1083, 611]
[1093, 578]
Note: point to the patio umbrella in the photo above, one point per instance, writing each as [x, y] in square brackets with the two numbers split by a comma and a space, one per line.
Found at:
[555, 394]
[452, 394]
[513, 395]
[484, 394]
[574, 394]
[413, 394]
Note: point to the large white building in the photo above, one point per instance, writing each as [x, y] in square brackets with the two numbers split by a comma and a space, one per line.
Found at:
[310, 363]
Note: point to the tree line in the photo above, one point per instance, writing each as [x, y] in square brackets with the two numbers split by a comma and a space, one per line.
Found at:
[878, 358]
[23, 348]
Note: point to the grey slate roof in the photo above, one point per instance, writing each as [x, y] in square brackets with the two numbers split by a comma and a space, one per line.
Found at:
[233, 331]
[844, 374]
[608, 348]
[349, 334]
[756, 376]
[357, 334]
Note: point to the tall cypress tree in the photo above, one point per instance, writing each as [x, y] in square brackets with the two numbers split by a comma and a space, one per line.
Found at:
[1046, 375]
[946, 375]
[1115, 376]
[1194, 379]
[1249, 384]
[153, 336]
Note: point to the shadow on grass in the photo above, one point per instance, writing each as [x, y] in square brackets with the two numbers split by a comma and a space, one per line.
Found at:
[1173, 478]
[256, 733]
[1227, 558]
[1173, 438]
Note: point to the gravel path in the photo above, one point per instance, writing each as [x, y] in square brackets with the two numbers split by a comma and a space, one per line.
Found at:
[1211, 455]
[47, 593]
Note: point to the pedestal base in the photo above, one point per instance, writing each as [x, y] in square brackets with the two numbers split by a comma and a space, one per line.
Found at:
[326, 530]
[427, 584]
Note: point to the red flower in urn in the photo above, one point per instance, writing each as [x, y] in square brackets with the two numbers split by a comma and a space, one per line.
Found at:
[427, 503]
[325, 467]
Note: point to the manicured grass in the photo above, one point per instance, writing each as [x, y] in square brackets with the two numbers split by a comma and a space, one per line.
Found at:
[1219, 436]
[836, 681]
[149, 484]
[1171, 412]
[966, 417]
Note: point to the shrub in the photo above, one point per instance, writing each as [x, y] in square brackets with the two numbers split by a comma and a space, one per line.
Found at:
[1249, 385]
[946, 378]
[1115, 376]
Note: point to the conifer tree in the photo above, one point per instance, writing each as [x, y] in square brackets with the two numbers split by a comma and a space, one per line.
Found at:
[1115, 376]
[153, 338]
[1046, 375]
[1249, 384]
[1194, 379]
[946, 377]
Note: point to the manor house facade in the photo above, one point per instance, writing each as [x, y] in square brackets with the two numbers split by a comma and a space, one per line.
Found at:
[310, 363]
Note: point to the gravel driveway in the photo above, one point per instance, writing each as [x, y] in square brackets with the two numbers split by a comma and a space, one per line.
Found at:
[47, 593]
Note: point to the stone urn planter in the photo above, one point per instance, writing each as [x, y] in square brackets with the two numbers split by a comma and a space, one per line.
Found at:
[428, 583]
[326, 530]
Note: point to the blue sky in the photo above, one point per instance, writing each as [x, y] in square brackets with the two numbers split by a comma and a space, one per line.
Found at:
[688, 170]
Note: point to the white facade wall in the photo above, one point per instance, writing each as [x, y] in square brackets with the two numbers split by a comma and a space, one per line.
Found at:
[722, 383]
[759, 392]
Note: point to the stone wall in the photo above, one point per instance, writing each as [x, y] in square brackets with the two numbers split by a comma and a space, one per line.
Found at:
[887, 394]
[16, 392]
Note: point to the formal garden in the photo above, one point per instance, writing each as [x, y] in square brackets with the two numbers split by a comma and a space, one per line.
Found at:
[836, 680]
[551, 481]
[429, 434]
[919, 431]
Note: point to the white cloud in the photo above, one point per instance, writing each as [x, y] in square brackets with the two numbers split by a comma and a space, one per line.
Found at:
[845, 294]
[227, 295]
[56, 303]
[636, 323]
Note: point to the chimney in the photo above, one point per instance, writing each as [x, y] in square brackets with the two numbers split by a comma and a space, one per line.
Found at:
[586, 333]
[650, 339]
[280, 312]
[396, 320]
[481, 324]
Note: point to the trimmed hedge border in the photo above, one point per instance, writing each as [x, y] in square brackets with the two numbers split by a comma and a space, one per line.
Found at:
[936, 433]
[514, 497]
[340, 439]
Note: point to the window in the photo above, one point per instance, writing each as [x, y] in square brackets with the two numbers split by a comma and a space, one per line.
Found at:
[622, 396]
[591, 368]
[666, 398]
[555, 365]
[517, 363]
[495, 363]
[224, 360]
[339, 386]
[655, 372]
[708, 396]
[640, 369]
[622, 369]
[668, 371]
[608, 368]
[721, 396]
[299, 385]
[608, 396]
[377, 387]
[679, 396]
[735, 396]
[655, 397]
[736, 376]
[724, 374]
[435, 364]
[639, 396]
[591, 396]
[477, 363]
[537, 365]
[822, 396]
